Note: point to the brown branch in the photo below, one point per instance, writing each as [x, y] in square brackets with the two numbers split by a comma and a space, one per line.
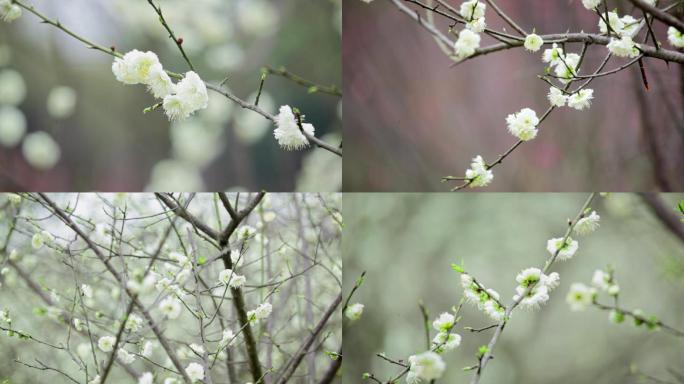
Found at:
[659, 14]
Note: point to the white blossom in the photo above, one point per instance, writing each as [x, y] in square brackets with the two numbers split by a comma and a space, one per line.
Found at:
[556, 97]
[427, 365]
[134, 322]
[466, 44]
[263, 310]
[354, 311]
[675, 37]
[170, 307]
[591, 4]
[580, 296]
[146, 378]
[287, 131]
[473, 9]
[623, 47]
[134, 67]
[581, 100]
[95, 380]
[195, 371]
[159, 83]
[533, 42]
[477, 25]
[444, 322]
[106, 343]
[565, 250]
[446, 342]
[232, 279]
[566, 68]
[588, 224]
[523, 124]
[478, 174]
[541, 285]
[553, 55]
[191, 95]
[124, 356]
[9, 11]
[227, 338]
[86, 290]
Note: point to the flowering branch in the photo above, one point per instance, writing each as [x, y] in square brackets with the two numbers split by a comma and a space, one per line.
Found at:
[189, 95]
[617, 34]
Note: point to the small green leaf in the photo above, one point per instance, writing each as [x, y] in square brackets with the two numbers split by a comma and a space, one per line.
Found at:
[457, 268]
[202, 260]
[313, 89]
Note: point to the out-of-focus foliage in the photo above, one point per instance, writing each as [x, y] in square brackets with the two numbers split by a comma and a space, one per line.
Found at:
[107, 143]
[407, 243]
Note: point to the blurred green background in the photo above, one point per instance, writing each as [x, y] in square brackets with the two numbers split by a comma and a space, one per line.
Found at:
[109, 144]
[407, 242]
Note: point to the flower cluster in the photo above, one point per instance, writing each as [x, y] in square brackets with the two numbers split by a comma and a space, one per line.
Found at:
[445, 340]
[262, 311]
[179, 100]
[354, 311]
[486, 299]
[287, 131]
[425, 366]
[565, 248]
[468, 41]
[675, 37]
[587, 224]
[9, 11]
[232, 279]
[534, 287]
[523, 124]
[479, 174]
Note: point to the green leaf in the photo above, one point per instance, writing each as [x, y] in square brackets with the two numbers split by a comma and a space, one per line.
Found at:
[457, 268]
[313, 89]
[202, 260]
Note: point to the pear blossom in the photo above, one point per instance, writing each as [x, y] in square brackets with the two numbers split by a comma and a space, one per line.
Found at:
[591, 4]
[190, 95]
[477, 25]
[494, 310]
[86, 290]
[133, 323]
[466, 44]
[675, 37]
[95, 380]
[445, 342]
[147, 349]
[565, 250]
[146, 378]
[473, 9]
[580, 296]
[444, 322]
[581, 100]
[552, 55]
[134, 67]
[622, 26]
[195, 371]
[230, 278]
[9, 11]
[159, 83]
[124, 356]
[624, 47]
[170, 307]
[478, 174]
[106, 343]
[566, 68]
[427, 365]
[263, 310]
[245, 231]
[541, 285]
[556, 97]
[523, 124]
[588, 224]
[227, 338]
[354, 311]
[605, 282]
[533, 42]
[287, 131]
